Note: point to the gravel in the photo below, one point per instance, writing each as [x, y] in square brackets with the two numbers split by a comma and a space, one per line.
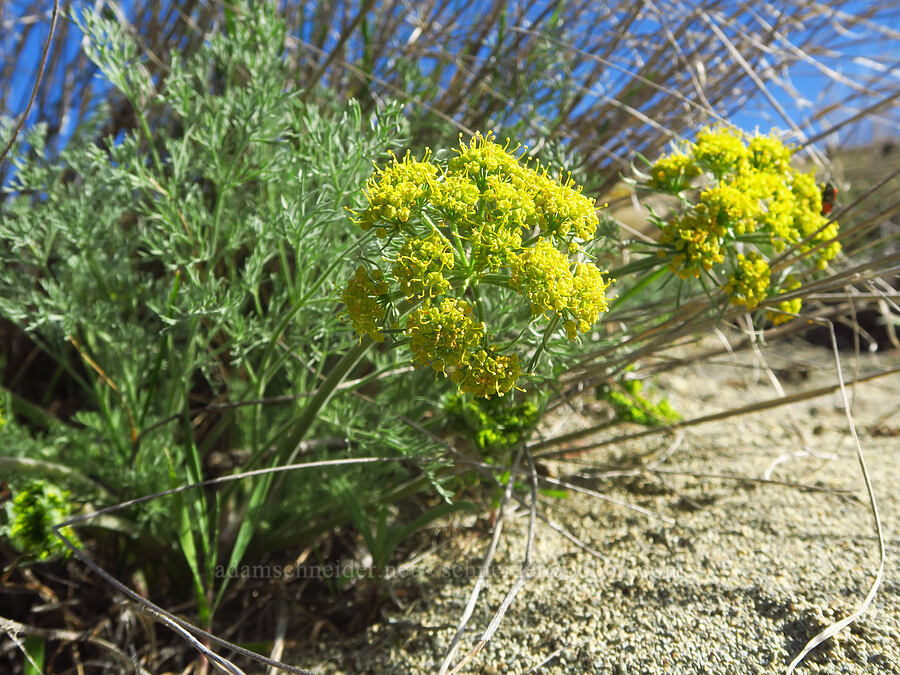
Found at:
[732, 576]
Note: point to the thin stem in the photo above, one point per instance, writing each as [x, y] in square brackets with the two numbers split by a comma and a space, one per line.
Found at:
[324, 393]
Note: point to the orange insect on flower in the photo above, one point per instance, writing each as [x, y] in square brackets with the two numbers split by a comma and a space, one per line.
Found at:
[829, 194]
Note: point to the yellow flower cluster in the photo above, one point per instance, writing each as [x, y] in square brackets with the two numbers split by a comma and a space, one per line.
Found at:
[441, 336]
[673, 173]
[420, 264]
[543, 275]
[771, 190]
[749, 284]
[725, 206]
[361, 298]
[485, 213]
[720, 151]
[396, 190]
[488, 373]
[770, 154]
[487, 191]
[750, 194]
[786, 310]
[447, 339]
[809, 223]
[696, 246]
[588, 298]
[514, 198]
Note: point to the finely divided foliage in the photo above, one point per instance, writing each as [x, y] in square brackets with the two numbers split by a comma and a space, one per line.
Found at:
[185, 276]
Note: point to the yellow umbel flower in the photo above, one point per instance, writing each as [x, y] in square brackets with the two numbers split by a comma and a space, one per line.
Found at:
[673, 173]
[562, 210]
[726, 207]
[749, 284]
[488, 373]
[768, 153]
[361, 298]
[541, 273]
[588, 299]
[697, 246]
[720, 150]
[455, 230]
[393, 192]
[483, 157]
[811, 223]
[829, 246]
[513, 198]
[455, 197]
[420, 264]
[750, 197]
[772, 191]
[784, 311]
[443, 336]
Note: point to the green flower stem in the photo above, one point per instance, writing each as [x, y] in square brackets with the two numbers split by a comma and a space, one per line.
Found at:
[641, 283]
[637, 266]
[501, 280]
[554, 322]
[289, 449]
[479, 308]
[339, 259]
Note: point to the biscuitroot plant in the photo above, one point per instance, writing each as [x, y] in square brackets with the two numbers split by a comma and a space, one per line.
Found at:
[462, 241]
[480, 259]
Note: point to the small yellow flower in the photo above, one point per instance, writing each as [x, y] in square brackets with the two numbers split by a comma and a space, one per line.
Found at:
[562, 210]
[443, 336]
[455, 196]
[673, 173]
[697, 246]
[727, 207]
[488, 373]
[544, 276]
[588, 299]
[720, 150]
[786, 310]
[394, 191]
[361, 298]
[768, 153]
[541, 273]
[420, 265]
[749, 284]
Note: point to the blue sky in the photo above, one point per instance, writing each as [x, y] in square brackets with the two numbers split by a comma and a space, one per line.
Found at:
[812, 89]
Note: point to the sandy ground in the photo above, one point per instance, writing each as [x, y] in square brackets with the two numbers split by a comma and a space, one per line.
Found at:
[729, 576]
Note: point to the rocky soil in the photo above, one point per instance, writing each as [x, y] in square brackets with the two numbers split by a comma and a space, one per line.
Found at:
[721, 571]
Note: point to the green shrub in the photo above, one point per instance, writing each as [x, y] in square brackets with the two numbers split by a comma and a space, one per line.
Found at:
[187, 278]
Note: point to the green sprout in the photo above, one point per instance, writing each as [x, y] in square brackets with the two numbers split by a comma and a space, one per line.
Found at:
[31, 515]
[631, 405]
[493, 424]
